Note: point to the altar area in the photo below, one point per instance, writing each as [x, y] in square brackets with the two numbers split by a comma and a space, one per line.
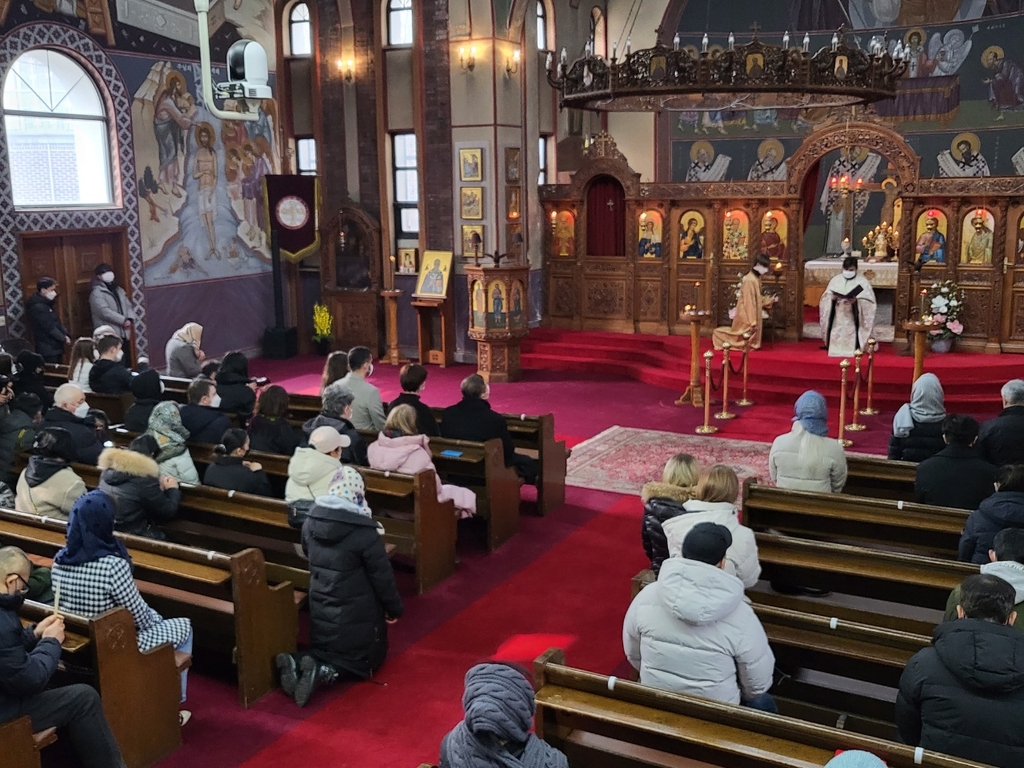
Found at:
[884, 278]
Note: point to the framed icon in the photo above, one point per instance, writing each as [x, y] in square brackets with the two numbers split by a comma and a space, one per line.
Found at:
[513, 203]
[435, 271]
[471, 164]
[407, 261]
[512, 174]
[472, 202]
[469, 249]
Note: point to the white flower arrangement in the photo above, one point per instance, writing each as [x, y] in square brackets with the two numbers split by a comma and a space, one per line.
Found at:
[946, 306]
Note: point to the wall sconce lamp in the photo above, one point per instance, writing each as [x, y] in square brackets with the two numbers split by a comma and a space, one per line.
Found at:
[512, 64]
[467, 62]
[347, 69]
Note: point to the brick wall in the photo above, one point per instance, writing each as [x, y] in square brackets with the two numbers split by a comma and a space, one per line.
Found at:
[436, 163]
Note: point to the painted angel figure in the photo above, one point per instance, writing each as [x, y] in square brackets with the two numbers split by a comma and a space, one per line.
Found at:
[949, 52]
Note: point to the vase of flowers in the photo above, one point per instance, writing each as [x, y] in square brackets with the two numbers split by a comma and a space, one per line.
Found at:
[946, 306]
[323, 325]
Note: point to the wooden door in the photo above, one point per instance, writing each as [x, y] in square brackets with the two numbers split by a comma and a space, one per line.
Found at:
[1012, 327]
[70, 258]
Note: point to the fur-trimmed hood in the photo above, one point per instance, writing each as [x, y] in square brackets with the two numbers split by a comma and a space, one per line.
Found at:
[123, 461]
[668, 491]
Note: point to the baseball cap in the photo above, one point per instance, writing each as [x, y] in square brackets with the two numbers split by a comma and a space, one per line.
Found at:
[327, 439]
[707, 542]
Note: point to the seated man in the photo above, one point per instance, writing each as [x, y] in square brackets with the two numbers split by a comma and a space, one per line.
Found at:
[28, 659]
[70, 412]
[957, 476]
[336, 411]
[367, 408]
[693, 632]
[1007, 562]
[200, 415]
[473, 419]
[108, 375]
[1002, 439]
[964, 695]
[412, 378]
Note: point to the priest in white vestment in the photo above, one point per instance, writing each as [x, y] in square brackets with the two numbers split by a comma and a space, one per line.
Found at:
[847, 311]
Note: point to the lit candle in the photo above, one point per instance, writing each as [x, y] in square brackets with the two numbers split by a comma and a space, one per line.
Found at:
[807, 42]
[924, 297]
[704, 43]
[785, 40]
[675, 42]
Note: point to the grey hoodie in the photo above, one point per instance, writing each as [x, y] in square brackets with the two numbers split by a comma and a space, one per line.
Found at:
[693, 632]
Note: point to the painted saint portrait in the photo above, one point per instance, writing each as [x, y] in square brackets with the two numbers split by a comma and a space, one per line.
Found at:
[517, 312]
[472, 202]
[705, 165]
[976, 248]
[774, 230]
[735, 235]
[771, 162]
[930, 245]
[963, 159]
[498, 306]
[691, 235]
[434, 273]
[479, 305]
[471, 165]
[649, 245]
[563, 230]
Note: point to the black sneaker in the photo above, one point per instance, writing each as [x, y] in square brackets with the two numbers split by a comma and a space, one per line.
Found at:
[307, 680]
[289, 676]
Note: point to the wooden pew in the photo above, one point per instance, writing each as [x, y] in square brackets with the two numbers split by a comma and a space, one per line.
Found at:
[228, 597]
[140, 691]
[824, 643]
[603, 722]
[416, 525]
[22, 747]
[880, 478]
[918, 528]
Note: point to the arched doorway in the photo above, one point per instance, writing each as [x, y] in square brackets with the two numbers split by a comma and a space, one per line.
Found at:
[606, 218]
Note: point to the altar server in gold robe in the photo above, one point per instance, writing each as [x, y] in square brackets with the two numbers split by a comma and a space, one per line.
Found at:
[750, 306]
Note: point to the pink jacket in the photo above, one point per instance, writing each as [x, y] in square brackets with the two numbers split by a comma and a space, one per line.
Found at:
[409, 454]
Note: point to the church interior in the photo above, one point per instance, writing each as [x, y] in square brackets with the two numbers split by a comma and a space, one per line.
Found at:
[637, 231]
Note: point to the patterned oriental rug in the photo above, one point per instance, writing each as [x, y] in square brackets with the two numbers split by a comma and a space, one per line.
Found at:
[622, 459]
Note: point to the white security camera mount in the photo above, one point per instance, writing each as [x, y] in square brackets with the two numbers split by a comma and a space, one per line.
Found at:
[248, 74]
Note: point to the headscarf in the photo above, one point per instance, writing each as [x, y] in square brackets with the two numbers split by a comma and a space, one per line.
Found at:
[191, 334]
[166, 427]
[812, 413]
[347, 485]
[855, 758]
[91, 532]
[499, 704]
[926, 406]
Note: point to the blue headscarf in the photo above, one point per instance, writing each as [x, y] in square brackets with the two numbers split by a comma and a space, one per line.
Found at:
[91, 532]
[812, 413]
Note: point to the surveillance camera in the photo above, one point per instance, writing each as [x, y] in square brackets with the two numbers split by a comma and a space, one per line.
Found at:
[248, 74]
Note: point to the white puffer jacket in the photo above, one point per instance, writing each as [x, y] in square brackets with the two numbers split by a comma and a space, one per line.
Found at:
[741, 558]
[693, 632]
[821, 467]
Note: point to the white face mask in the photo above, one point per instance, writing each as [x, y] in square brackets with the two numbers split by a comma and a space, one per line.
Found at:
[107, 277]
[82, 410]
[120, 355]
[95, 355]
[369, 373]
[849, 274]
[215, 401]
[49, 295]
[761, 270]
[162, 387]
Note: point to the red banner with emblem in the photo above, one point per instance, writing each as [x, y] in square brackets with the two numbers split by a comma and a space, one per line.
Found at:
[291, 208]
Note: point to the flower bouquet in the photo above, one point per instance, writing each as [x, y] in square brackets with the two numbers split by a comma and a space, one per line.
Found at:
[946, 306]
[323, 324]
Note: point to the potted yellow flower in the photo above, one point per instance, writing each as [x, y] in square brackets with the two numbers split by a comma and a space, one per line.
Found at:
[323, 324]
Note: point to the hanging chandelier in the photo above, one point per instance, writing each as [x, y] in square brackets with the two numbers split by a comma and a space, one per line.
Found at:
[756, 75]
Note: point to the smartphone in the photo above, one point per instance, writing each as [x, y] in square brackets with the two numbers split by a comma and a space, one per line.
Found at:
[451, 454]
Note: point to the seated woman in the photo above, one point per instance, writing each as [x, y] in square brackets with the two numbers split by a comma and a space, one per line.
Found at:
[171, 437]
[1003, 509]
[499, 705]
[805, 458]
[237, 392]
[917, 426]
[183, 352]
[269, 430]
[148, 391]
[352, 597]
[335, 369]
[29, 378]
[715, 502]
[311, 469]
[399, 449]
[83, 355]
[18, 433]
[142, 498]
[94, 574]
[663, 501]
[231, 471]
[48, 486]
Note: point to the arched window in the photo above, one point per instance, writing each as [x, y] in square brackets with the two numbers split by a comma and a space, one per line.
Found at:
[399, 22]
[598, 33]
[300, 31]
[57, 135]
[543, 43]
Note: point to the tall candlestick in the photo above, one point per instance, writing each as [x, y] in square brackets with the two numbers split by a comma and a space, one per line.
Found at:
[924, 297]
[696, 295]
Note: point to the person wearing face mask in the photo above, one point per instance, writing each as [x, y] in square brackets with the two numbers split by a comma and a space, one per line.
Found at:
[200, 416]
[750, 306]
[108, 375]
[49, 332]
[367, 407]
[847, 311]
[69, 412]
[336, 411]
[109, 303]
[231, 471]
[49, 486]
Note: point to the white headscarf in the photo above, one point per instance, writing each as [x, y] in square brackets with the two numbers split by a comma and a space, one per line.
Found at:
[191, 334]
[926, 406]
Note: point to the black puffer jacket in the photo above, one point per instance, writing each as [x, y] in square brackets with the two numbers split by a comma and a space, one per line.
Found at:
[146, 388]
[26, 664]
[205, 425]
[17, 434]
[272, 436]
[229, 473]
[956, 476]
[1003, 509]
[47, 329]
[964, 696]
[236, 396]
[923, 442]
[356, 453]
[352, 589]
[109, 377]
[133, 481]
[87, 442]
[1002, 439]
[662, 502]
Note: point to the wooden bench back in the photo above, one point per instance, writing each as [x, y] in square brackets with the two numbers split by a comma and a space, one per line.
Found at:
[880, 478]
